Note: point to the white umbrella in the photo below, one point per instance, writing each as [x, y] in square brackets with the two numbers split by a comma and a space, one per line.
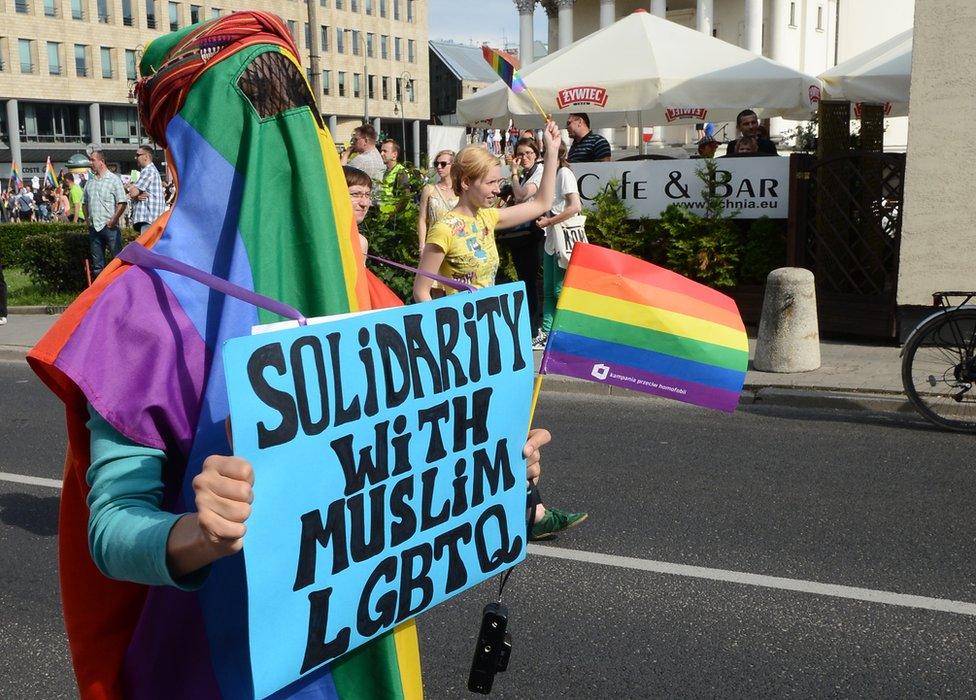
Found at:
[644, 69]
[881, 75]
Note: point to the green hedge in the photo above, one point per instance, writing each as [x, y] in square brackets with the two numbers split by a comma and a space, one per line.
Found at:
[12, 237]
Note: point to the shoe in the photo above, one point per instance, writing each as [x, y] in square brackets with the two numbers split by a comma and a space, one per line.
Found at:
[539, 342]
[3, 320]
[554, 521]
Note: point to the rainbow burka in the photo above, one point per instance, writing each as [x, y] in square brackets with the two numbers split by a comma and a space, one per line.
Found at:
[261, 202]
[630, 323]
[506, 66]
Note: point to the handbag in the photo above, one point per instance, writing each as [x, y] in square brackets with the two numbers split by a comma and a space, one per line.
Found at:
[561, 237]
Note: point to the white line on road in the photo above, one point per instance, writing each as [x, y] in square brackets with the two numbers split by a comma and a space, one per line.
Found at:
[786, 584]
[702, 572]
[30, 480]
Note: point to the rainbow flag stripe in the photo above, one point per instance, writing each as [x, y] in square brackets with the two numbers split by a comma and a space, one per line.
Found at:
[15, 175]
[506, 66]
[630, 323]
[49, 175]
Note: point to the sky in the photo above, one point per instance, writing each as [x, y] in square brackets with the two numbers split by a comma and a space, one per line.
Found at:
[478, 21]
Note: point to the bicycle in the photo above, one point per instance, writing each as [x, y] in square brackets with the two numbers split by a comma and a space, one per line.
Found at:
[938, 369]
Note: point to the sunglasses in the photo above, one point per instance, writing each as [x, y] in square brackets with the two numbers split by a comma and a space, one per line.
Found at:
[441, 163]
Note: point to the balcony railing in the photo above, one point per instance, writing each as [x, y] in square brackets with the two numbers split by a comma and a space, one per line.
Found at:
[77, 13]
[22, 6]
[104, 18]
[151, 22]
[55, 138]
[54, 70]
[128, 21]
[26, 67]
[81, 71]
[50, 10]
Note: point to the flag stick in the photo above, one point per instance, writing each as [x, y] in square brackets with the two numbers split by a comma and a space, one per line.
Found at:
[535, 397]
[545, 117]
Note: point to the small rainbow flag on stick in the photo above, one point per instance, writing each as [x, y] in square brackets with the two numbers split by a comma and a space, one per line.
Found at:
[507, 67]
[15, 175]
[50, 177]
[632, 324]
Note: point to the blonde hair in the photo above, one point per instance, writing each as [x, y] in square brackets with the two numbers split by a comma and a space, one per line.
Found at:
[471, 163]
[446, 151]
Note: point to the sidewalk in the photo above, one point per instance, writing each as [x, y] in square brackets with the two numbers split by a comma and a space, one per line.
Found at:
[851, 376]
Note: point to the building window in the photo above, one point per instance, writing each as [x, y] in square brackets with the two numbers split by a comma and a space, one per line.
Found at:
[214, 12]
[396, 9]
[26, 56]
[369, 6]
[195, 13]
[820, 18]
[3, 69]
[384, 40]
[354, 5]
[106, 54]
[53, 58]
[410, 13]
[102, 8]
[397, 54]
[399, 90]
[342, 81]
[338, 4]
[54, 123]
[324, 38]
[411, 93]
[326, 81]
[340, 40]
[22, 6]
[370, 86]
[174, 16]
[127, 19]
[77, 10]
[308, 37]
[411, 50]
[50, 8]
[323, 3]
[382, 8]
[355, 85]
[369, 44]
[81, 60]
[385, 87]
[130, 65]
[151, 14]
[355, 42]
[792, 14]
[118, 124]
[291, 29]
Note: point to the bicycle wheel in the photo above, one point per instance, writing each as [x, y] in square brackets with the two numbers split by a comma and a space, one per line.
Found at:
[938, 370]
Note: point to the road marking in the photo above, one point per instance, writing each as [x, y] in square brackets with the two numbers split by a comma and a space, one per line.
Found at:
[786, 584]
[30, 480]
[662, 567]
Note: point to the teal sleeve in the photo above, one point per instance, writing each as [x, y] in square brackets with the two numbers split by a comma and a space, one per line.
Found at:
[127, 531]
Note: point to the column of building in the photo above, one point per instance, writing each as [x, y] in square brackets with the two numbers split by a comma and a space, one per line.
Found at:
[779, 46]
[608, 15]
[552, 13]
[658, 9]
[526, 35]
[13, 132]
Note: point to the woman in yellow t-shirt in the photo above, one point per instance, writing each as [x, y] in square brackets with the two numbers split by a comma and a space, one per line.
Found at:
[461, 245]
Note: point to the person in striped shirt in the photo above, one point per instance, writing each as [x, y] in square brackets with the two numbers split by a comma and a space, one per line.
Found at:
[588, 146]
[146, 193]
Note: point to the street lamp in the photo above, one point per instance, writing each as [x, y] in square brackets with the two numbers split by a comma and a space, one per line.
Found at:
[405, 75]
[362, 36]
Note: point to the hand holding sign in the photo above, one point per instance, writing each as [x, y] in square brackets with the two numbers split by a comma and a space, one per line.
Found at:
[223, 499]
[538, 438]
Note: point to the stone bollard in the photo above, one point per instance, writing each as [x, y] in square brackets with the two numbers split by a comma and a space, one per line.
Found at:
[789, 337]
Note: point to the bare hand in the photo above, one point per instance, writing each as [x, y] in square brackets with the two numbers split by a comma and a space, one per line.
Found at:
[538, 438]
[551, 138]
[543, 221]
[224, 494]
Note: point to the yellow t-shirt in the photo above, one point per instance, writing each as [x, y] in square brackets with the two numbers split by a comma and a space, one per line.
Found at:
[469, 248]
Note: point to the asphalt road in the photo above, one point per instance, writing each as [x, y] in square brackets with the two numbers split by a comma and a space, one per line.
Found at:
[835, 554]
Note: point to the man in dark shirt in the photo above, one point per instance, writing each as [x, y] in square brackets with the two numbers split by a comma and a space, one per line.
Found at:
[748, 125]
[588, 146]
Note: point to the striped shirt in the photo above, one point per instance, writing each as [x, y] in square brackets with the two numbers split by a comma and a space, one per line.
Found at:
[588, 149]
[148, 210]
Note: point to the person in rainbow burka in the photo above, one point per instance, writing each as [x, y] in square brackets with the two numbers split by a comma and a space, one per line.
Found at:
[153, 509]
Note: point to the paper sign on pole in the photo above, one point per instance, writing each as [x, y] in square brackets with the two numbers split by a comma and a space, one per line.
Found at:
[387, 452]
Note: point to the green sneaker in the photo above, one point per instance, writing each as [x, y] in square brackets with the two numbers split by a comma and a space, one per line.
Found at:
[554, 521]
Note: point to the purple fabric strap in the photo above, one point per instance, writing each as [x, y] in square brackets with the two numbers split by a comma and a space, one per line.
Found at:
[138, 254]
[453, 284]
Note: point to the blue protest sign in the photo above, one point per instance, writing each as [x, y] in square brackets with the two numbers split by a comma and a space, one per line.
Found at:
[387, 452]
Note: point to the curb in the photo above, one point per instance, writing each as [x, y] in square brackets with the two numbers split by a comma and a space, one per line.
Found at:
[33, 310]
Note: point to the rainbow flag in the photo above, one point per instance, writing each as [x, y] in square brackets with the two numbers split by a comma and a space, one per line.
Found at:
[506, 66]
[15, 175]
[50, 177]
[632, 324]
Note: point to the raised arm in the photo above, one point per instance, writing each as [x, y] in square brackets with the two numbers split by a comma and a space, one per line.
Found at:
[422, 216]
[510, 217]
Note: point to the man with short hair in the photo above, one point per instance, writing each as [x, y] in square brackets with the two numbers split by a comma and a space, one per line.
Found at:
[395, 180]
[25, 204]
[747, 123]
[76, 198]
[104, 204]
[588, 146]
[146, 192]
[367, 158]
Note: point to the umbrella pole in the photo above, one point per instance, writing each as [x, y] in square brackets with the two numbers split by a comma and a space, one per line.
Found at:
[640, 134]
